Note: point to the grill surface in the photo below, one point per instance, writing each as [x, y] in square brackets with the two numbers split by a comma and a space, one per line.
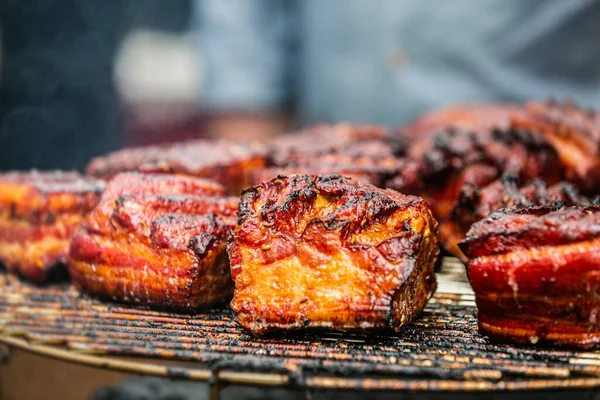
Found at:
[441, 350]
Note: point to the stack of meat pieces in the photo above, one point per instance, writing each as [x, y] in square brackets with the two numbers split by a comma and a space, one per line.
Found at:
[39, 212]
[330, 252]
[156, 239]
[226, 162]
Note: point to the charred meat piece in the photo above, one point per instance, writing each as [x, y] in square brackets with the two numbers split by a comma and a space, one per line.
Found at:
[573, 132]
[470, 147]
[158, 240]
[477, 202]
[361, 152]
[330, 252]
[536, 274]
[224, 161]
[455, 159]
[39, 212]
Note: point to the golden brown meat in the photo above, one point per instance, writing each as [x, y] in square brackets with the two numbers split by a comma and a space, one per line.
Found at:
[330, 252]
[39, 212]
[476, 202]
[226, 162]
[573, 132]
[536, 274]
[156, 239]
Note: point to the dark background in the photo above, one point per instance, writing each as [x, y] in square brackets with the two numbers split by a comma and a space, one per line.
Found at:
[58, 102]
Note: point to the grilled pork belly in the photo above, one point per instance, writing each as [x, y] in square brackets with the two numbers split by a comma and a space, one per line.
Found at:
[156, 239]
[345, 141]
[224, 161]
[362, 152]
[450, 160]
[475, 203]
[465, 148]
[536, 274]
[330, 252]
[39, 212]
[574, 133]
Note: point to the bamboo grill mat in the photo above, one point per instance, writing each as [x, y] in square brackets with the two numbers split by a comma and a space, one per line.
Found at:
[441, 350]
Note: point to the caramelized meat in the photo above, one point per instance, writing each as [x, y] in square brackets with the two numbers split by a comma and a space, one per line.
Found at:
[573, 132]
[156, 239]
[361, 152]
[39, 212]
[226, 162]
[536, 274]
[370, 175]
[477, 202]
[463, 117]
[302, 147]
[375, 173]
[457, 159]
[330, 252]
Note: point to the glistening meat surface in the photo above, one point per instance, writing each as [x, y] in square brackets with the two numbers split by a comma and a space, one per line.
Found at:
[330, 252]
[157, 240]
[536, 274]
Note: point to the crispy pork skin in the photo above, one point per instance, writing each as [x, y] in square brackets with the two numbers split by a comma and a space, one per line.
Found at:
[330, 252]
[226, 162]
[158, 240]
[536, 274]
[39, 212]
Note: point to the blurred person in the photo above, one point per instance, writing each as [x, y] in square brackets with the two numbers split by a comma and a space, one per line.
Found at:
[386, 61]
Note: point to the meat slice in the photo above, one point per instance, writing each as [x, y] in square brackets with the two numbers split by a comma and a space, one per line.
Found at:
[330, 252]
[157, 240]
[224, 161]
[39, 212]
[476, 202]
[536, 274]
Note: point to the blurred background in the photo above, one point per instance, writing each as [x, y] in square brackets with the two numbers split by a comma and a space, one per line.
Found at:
[80, 78]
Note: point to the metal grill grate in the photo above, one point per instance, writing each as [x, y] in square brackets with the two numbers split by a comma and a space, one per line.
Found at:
[441, 350]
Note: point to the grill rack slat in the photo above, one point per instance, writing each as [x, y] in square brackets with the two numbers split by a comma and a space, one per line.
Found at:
[441, 350]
